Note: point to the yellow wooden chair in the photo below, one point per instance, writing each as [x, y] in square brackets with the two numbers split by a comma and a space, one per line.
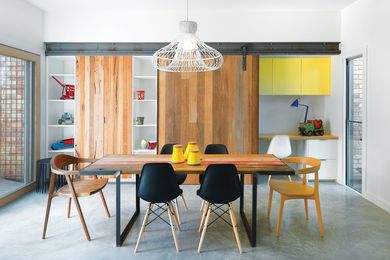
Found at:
[295, 190]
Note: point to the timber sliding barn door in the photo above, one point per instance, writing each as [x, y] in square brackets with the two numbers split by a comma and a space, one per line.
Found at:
[211, 107]
[103, 105]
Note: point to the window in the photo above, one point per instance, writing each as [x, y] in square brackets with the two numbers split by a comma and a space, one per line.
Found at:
[354, 122]
[18, 77]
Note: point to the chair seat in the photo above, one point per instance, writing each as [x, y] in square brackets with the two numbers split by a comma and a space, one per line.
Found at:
[84, 187]
[291, 188]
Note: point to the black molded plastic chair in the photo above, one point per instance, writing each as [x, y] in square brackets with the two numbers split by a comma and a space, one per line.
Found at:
[180, 177]
[213, 149]
[220, 186]
[158, 186]
[216, 149]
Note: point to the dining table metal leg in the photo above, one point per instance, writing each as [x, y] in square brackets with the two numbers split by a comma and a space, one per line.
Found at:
[250, 229]
[254, 207]
[121, 236]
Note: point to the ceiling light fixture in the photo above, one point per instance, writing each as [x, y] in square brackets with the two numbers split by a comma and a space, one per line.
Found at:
[187, 53]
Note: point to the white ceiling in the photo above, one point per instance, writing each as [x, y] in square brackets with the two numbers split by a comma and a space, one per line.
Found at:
[179, 5]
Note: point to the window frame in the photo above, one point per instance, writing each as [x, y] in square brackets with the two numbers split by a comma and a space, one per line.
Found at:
[35, 60]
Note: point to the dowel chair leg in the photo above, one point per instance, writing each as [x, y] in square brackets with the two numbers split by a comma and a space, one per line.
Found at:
[69, 207]
[289, 177]
[204, 228]
[104, 204]
[203, 217]
[174, 215]
[173, 229]
[319, 216]
[184, 201]
[271, 192]
[177, 211]
[306, 209]
[201, 205]
[49, 199]
[234, 224]
[269, 178]
[142, 227]
[280, 216]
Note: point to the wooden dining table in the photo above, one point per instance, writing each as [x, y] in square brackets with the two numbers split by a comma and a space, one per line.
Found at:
[252, 164]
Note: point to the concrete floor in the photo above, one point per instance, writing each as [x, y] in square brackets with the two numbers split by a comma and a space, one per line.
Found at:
[8, 186]
[354, 229]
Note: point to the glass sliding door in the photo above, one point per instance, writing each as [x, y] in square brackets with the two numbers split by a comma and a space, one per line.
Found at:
[16, 77]
[354, 122]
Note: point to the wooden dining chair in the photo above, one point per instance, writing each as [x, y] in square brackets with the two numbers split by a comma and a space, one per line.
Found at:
[67, 165]
[295, 190]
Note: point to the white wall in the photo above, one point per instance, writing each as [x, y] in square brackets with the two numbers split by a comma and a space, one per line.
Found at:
[124, 25]
[277, 116]
[365, 23]
[21, 26]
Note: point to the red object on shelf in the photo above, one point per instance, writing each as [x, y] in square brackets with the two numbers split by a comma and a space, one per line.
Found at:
[141, 94]
[67, 89]
[152, 145]
[69, 141]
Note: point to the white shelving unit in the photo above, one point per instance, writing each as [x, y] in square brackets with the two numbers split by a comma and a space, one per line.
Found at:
[144, 78]
[64, 68]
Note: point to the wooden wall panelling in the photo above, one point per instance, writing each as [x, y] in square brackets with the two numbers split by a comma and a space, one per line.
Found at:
[89, 100]
[103, 105]
[211, 107]
[117, 104]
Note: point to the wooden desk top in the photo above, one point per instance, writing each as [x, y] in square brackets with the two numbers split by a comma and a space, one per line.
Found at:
[298, 137]
[245, 163]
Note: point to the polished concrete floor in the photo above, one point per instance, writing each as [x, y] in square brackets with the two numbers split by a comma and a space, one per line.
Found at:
[354, 229]
[8, 186]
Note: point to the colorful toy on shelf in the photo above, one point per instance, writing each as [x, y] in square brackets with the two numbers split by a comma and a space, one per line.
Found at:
[63, 144]
[140, 94]
[67, 89]
[66, 119]
[311, 127]
[139, 120]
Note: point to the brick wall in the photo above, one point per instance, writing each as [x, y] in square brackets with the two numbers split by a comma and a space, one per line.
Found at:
[12, 83]
[357, 96]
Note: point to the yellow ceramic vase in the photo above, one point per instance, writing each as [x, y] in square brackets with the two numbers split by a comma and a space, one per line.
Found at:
[193, 157]
[190, 146]
[177, 154]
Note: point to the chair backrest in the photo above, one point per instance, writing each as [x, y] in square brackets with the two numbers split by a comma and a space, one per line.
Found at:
[158, 183]
[167, 148]
[280, 146]
[220, 184]
[216, 149]
[309, 165]
[59, 162]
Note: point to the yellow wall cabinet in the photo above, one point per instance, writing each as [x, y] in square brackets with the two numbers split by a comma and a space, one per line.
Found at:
[295, 76]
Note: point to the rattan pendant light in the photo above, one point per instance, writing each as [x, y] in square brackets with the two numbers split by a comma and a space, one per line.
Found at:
[187, 53]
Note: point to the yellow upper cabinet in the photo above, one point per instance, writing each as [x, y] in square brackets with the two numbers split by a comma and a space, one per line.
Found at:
[316, 76]
[265, 76]
[295, 76]
[286, 75]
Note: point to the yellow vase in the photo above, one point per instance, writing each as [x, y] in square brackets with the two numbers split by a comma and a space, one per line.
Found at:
[190, 146]
[193, 157]
[177, 154]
